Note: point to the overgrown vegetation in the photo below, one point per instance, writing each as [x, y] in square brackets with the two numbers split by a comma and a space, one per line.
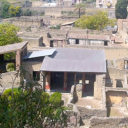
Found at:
[30, 107]
[97, 21]
[121, 9]
[10, 67]
[8, 10]
[8, 34]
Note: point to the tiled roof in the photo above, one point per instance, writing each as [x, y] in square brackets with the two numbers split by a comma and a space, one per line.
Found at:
[75, 60]
[88, 36]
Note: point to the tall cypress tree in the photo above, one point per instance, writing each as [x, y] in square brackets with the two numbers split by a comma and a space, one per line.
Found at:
[121, 9]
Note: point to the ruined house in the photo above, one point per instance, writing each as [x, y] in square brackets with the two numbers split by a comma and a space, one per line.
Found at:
[34, 40]
[26, 21]
[7, 78]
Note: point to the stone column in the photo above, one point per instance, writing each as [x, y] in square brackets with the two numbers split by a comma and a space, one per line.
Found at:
[74, 78]
[65, 81]
[18, 59]
[114, 83]
[98, 86]
[125, 81]
[47, 82]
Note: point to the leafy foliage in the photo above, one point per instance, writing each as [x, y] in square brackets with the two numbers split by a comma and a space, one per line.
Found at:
[8, 10]
[5, 9]
[96, 22]
[8, 34]
[10, 67]
[9, 56]
[15, 11]
[30, 107]
[121, 9]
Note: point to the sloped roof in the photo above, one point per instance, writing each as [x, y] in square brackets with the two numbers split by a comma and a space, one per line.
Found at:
[83, 35]
[75, 60]
[12, 47]
[40, 53]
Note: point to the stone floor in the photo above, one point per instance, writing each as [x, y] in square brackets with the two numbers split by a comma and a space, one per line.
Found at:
[117, 112]
[89, 102]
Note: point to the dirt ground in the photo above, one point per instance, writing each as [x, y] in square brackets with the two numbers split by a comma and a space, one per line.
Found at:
[89, 102]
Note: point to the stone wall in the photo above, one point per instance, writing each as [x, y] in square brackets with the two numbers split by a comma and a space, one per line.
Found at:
[116, 98]
[86, 42]
[87, 113]
[98, 86]
[111, 52]
[116, 78]
[9, 79]
[30, 66]
[122, 29]
[26, 21]
[105, 122]
[33, 41]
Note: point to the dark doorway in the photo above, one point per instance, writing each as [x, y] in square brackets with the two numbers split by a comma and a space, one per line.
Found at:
[51, 43]
[105, 43]
[70, 80]
[57, 80]
[89, 85]
[36, 75]
[119, 83]
[77, 41]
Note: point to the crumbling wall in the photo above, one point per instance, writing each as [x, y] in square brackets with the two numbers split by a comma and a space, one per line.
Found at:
[30, 66]
[105, 122]
[87, 113]
[116, 98]
[98, 86]
[33, 41]
[26, 22]
[111, 52]
[117, 78]
[9, 79]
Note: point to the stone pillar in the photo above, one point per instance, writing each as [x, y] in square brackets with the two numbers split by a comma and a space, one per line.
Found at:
[47, 82]
[65, 81]
[83, 81]
[98, 87]
[114, 83]
[125, 81]
[18, 59]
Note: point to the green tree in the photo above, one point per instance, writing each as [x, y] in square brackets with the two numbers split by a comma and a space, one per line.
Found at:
[8, 34]
[121, 9]
[30, 107]
[5, 9]
[15, 11]
[96, 22]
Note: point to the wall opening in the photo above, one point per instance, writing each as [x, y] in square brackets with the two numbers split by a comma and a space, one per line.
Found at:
[57, 80]
[89, 85]
[105, 43]
[36, 75]
[77, 41]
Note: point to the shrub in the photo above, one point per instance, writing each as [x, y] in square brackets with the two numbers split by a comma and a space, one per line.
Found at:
[9, 56]
[55, 99]
[30, 106]
[10, 67]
